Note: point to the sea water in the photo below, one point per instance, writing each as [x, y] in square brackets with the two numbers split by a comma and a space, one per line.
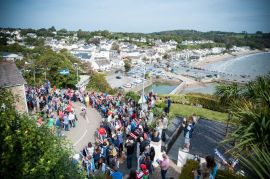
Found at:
[250, 65]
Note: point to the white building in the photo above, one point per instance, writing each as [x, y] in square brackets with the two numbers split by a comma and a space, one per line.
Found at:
[11, 56]
[101, 64]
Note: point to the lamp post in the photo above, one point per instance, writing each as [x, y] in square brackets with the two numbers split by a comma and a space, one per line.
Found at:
[229, 118]
[34, 72]
[77, 73]
[143, 98]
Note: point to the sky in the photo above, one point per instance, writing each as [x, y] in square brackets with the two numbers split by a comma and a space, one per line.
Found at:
[138, 15]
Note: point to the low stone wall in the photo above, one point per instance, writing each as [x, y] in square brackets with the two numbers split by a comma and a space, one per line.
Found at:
[140, 86]
[172, 132]
[179, 88]
[19, 98]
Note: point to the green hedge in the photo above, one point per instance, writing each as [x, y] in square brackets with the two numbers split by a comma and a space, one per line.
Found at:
[133, 95]
[191, 165]
[225, 174]
[186, 172]
[206, 101]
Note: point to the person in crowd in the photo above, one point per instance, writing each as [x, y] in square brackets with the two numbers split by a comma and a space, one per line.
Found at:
[130, 150]
[211, 165]
[152, 154]
[164, 165]
[168, 104]
[148, 164]
[188, 133]
[143, 173]
[116, 174]
[132, 174]
[125, 124]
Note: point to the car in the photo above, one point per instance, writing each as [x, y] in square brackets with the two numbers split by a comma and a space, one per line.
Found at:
[118, 77]
[128, 85]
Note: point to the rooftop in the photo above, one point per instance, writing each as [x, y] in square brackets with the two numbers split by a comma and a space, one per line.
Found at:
[10, 75]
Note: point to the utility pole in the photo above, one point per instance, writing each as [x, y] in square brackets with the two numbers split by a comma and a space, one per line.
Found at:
[143, 87]
[77, 73]
[34, 76]
[34, 72]
[45, 74]
[229, 119]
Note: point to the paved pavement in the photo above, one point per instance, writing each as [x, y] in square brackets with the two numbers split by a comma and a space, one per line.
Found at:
[115, 83]
[85, 128]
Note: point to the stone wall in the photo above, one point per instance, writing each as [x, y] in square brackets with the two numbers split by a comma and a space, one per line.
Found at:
[19, 98]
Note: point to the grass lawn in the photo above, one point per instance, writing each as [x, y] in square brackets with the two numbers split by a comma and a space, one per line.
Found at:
[186, 110]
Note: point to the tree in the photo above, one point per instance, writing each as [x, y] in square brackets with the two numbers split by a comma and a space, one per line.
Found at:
[258, 163]
[52, 29]
[250, 106]
[94, 41]
[227, 93]
[166, 56]
[48, 64]
[29, 151]
[127, 65]
[99, 83]
[115, 46]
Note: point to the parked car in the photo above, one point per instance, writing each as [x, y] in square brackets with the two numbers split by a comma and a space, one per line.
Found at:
[118, 77]
[128, 85]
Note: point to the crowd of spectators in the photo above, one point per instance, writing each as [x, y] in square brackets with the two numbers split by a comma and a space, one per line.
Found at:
[123, 135]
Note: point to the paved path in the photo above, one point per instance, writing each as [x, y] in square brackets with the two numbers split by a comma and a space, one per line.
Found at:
[85, 128]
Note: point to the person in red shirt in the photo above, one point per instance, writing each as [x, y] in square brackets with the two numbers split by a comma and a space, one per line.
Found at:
[143, 172]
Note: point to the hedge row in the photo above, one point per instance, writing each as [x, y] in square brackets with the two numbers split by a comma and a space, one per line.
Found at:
[203, 100]
[191, 165]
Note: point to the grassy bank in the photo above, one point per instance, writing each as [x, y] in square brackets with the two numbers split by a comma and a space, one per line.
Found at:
[186, 110]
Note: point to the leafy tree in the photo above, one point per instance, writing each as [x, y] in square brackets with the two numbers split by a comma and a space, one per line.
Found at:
[48, 64]
[115, 46]
[127, 65]
[258, 162]
[52, 29]
[147, 76]
[132, 95]
[250, 105]
[28, 151]
[227, 93]
[99, 83]
[95, 41]
[166, 56]
[34, 41]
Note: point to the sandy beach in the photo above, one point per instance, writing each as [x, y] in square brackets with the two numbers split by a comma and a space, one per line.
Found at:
[223, 57]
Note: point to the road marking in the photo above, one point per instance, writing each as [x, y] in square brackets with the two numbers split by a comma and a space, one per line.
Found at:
[87, 120]
[80, 138]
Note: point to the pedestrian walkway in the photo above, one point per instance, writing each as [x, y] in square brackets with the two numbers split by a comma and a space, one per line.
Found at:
[84, 131]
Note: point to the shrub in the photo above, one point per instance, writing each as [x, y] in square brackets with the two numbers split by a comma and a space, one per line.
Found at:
[132, 95]
[192, 165]
[158, 112]
[224, 174]
[206, 101]
[98, 83]
[187, 169]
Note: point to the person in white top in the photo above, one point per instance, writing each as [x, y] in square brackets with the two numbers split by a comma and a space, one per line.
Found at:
[71, 118]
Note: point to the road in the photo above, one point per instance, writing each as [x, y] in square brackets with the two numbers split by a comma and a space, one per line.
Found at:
[84, 131]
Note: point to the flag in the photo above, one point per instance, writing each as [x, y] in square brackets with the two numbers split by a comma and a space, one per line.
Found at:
[137, 121]
[100, 141]
[133, 135]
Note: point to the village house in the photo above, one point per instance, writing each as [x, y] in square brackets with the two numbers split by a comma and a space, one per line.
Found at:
[101, 64]
[10, 56]
[12, 79]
